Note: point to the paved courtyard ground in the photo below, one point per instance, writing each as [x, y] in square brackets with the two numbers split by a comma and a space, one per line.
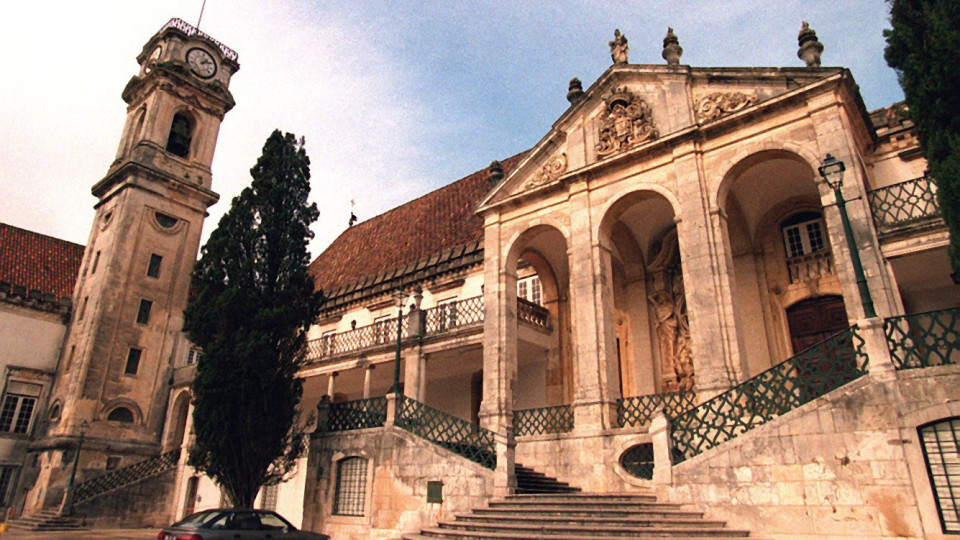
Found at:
[99, 534]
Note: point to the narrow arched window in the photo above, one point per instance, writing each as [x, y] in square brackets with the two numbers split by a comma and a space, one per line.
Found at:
[121, 414]
[181, 132]
[351, 495]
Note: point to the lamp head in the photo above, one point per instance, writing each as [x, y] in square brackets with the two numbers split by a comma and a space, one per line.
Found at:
[832, 171]
[399, 296]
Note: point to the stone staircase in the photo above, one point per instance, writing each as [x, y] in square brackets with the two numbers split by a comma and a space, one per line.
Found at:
[569, 516]
[531, 482]
[47, 520]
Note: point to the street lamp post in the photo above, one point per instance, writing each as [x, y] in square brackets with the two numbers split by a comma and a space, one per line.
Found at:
[832, 173]
[67, 507]
[399, 296]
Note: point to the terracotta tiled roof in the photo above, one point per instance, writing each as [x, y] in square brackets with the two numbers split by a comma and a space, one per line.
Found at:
[441, 220]
[38, 262]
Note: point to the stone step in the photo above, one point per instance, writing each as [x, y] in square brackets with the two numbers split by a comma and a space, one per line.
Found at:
[598, 506]
[434, 533]
[611, 514]
[580, 497]
[631, 520]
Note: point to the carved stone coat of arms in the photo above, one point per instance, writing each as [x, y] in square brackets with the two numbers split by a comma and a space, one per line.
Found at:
[626, 121]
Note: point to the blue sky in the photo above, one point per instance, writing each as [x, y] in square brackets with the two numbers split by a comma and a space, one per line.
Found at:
[394, 98]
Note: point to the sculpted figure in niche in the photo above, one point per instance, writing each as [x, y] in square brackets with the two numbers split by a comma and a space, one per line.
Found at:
[619, 50]
[667, 325]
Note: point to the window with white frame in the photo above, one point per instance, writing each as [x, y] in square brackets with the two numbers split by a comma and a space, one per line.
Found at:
[530, 289]
[328, 342]
[19, 402]
[193, 355]
[351, 490]
[8, 474]
[803, 235]
[268, 497]
[447, 313]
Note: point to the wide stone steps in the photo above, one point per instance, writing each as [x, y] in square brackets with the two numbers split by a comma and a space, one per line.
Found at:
[578, 516]
[47, 520]
[530, 481]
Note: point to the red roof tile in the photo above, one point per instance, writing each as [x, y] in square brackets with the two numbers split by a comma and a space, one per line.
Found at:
[437, 221]
[36, 261]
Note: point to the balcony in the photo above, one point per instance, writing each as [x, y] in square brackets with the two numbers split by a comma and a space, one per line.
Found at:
[904, 205]
[438, 320]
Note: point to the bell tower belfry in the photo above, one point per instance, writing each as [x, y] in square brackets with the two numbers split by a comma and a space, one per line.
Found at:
[112, 383]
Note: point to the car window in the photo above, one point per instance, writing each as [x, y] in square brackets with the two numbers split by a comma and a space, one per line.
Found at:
[243, 521]
[273, 522]
[196, 520]
[220, 522]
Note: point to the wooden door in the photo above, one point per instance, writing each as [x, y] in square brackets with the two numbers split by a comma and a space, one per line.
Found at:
[814, 320]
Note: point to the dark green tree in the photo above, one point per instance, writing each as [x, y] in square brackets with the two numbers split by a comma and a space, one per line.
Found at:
[923, 46]
[253, 301]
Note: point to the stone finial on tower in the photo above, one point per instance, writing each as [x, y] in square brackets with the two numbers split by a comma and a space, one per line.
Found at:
[810, 49]
[575, 91]
[495, 172]
[672, 51]
[619, 50]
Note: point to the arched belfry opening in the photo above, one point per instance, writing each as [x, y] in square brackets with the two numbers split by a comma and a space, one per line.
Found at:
[647, 303]
[181, 134]
[780, 258]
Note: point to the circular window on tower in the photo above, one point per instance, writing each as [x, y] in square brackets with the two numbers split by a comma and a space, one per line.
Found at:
[638, 460]
[55, 411]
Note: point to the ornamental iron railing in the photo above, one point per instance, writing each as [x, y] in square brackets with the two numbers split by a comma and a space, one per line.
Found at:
[814, 372]
[638, 460]
[358, 414]
[905, 203]
[373, 335]
[639, 410]
[459, 436]
[125, 476]
[532, 313]
[191, 30]
[451, 315]
[811, 265]
[538, 421]
[924, 339]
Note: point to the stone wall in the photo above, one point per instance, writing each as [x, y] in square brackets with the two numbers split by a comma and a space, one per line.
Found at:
[143, 504]
[398, 468]
[846, 465]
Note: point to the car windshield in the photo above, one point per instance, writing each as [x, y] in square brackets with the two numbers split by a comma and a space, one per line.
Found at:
[197, 520]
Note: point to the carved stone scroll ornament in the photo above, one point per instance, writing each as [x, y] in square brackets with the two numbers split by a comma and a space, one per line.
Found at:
[626, 121]
[549, 172]
[718, 104]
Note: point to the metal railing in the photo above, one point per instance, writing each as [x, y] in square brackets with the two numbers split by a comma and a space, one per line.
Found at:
[358, 414]
[453, 315]
[812, 265]
[905, 203]
[639, 410]
[541, 420]
[532, 313]
[372, 335]
[819, 369]
[456, 435]
[125, 476]
[924, 339]
[191, 30]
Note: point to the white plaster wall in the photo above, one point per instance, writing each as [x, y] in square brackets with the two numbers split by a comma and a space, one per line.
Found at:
[29, 338]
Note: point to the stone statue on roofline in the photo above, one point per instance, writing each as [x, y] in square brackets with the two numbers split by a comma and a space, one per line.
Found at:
[619, 50]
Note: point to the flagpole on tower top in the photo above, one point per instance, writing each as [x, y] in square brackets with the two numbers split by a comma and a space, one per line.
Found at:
[201, 13]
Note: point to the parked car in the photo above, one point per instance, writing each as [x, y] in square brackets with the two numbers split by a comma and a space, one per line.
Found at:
[228, 523]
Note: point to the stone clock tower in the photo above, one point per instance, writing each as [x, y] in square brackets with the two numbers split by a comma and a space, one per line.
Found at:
[125, 333]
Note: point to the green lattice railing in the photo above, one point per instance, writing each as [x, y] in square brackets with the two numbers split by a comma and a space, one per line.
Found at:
[822, 368]
[125, 476]
[359, 414]
[905, 203]
[924, 339]
[542, 420]
[459, 436]
[639, 410]
[453, 315]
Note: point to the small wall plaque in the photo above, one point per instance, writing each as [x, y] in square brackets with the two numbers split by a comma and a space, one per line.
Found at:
[434, 491]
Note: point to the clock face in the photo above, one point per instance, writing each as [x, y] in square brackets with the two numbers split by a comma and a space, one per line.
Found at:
[201, 63]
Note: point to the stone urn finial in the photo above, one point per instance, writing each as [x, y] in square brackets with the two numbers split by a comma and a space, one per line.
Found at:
[672, 51]
[575, 91]
[495, 172]
[810, 49]
[619, 49]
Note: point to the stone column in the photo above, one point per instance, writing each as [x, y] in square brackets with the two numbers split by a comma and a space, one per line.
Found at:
[499, 354]
[331, 383]
[414, 364]
[662, 458]
[367, 374]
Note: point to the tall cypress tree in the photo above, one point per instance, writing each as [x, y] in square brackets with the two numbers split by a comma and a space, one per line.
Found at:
[252, 304]
[923, 46]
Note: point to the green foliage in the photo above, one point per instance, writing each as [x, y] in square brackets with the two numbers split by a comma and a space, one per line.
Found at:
[253, 303]
[924, 48]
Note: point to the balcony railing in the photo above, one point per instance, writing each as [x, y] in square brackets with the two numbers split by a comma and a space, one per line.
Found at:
[639, 410]
[924, 339]
[531, 313]
[809, 266]
[904, 204]
[453, 315]
[542, 420]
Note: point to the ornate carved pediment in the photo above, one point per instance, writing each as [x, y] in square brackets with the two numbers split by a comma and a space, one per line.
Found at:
[549, 172]
[718, 104]
[626, 121]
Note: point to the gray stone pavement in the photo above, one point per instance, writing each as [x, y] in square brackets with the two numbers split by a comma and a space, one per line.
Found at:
[99, 534]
